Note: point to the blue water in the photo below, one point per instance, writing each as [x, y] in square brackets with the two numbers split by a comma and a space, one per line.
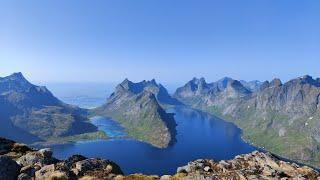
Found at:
[112, 129]
[199, 135]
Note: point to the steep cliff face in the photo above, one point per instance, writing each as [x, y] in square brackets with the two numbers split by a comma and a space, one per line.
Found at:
[31, 113]
[283, 118]
[135, 106]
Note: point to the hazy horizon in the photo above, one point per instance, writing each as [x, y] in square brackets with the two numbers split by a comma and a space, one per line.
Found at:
[171, 41]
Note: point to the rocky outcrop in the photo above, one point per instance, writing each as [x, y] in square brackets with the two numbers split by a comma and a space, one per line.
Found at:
[31, 113]
[9, 169]
[256, 165]
[28, 164]
[136, 107]
[42, 157]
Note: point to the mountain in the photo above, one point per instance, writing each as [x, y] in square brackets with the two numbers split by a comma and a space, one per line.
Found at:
[17, 161]
[199, 93]
[252, 85]
[135, 106]
[31, 113]
[153, 87]
[283, 118]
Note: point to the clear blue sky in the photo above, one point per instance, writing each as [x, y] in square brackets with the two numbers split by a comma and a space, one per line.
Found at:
[170, 40]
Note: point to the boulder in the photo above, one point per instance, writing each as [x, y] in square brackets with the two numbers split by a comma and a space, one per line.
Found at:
[52, 172]
[165, 177]
[29, 170]
[89, 166]
[9, 169]
[73, 159]
[5, 145]
[41, 157]
[46, 152]
[24, 176]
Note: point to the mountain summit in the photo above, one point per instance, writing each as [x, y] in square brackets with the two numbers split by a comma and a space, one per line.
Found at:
[152, 86]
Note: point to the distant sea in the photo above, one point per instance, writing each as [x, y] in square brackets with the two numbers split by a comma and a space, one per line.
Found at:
[87, 95]
[84, 95]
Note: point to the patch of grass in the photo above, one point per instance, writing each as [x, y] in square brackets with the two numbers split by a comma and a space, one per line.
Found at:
[80, 137]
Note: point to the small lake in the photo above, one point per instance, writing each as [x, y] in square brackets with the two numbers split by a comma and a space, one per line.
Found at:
[199, 136]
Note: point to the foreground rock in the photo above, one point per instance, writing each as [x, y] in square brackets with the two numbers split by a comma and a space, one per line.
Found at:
[17, 161]
[9, 169]
[256, 165]
[40, 165]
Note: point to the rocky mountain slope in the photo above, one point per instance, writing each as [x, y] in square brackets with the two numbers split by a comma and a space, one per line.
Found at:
[153, 87]
[17, 161]
[135, 106]
[198, 93]
[30, 113]
[283, 118]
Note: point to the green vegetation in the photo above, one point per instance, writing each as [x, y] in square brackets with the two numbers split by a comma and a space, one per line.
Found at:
[141, 116]
[75, 138]
[259, 131]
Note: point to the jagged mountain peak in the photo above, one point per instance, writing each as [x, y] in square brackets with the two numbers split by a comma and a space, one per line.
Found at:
[17, 75]
[197, 81]
[152, 86]
[253, 86]
[225, 79]
[153, 81]
[234, 83]
[223, 82]
[307, 79]
[275, 82]
[14, 77]
[237, 87]
[16, 82]
[264, 85]
[139, 86]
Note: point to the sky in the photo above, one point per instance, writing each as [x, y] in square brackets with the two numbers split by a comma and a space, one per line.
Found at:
[169, 40]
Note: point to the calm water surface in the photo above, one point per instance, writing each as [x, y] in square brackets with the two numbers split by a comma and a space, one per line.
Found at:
[198, 136]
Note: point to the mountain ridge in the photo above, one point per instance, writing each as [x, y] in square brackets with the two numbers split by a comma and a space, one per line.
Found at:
[276, 116]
